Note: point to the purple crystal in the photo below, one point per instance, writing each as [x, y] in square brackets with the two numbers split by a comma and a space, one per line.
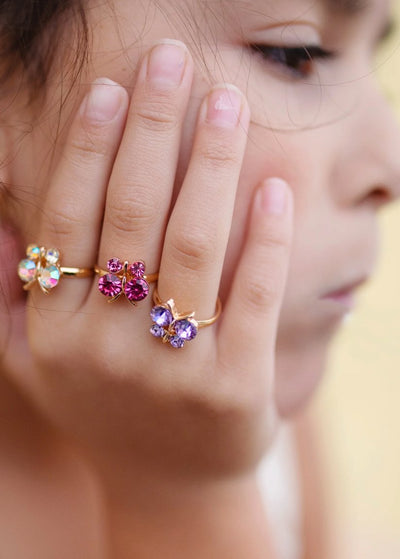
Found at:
[185, 329]
[110, 285]
[157, 331]
[136, 289]
[161, 316]
[176, 341]
[114, 265]
[137, 269]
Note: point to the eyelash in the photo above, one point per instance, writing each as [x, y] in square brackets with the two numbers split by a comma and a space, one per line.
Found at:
[297, 61]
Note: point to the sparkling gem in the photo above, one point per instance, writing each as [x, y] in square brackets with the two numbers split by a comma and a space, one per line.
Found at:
[33, 251]
[27, 270]
[49, 277]
[137, 269]
[114, 265]
[185, 329]
[176, 341]
[110, 285]
[52, 256]
[136, 289]
[157, 331]
[161, 316]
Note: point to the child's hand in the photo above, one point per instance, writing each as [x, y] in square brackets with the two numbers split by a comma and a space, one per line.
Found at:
[205, 409]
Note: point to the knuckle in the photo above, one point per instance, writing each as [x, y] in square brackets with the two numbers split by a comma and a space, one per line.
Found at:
[193, 250]
[65, 221]
[128, 216]
[274, 240]
[218, 155]
[157, 115]
[89, 144]
[261, 293]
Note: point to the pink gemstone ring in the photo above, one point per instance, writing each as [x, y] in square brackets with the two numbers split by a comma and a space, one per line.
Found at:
[122, 277]
[175, 328]
[42, 265]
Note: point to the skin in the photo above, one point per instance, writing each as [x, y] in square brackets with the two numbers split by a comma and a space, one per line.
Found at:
[161, 181]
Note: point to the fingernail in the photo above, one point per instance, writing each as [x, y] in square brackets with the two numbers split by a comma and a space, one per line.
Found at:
[273, 196]
[103, 100]
[167, 61]
[223, 106]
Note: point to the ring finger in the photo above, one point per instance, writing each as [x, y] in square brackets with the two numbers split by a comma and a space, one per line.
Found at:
[199, 227]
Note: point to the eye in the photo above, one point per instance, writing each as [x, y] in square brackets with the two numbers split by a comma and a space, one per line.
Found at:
[299, 62]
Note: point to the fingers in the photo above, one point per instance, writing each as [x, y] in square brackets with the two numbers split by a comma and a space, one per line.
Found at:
[74, 205]
[12, 301]
[140, 189]
[251, 315]
[199, 227]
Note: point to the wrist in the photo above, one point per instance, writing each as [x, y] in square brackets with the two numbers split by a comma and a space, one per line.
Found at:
[216, 519]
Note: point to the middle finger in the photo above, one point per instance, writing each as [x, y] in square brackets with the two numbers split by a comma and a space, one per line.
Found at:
[141, 184]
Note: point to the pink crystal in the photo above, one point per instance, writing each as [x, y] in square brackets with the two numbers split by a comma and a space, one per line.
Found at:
[136, 289]
[114, 265]
[110, 285]
[137, 269]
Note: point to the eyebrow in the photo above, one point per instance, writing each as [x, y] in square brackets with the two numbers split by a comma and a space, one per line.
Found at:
[355, 7]
[348, 7]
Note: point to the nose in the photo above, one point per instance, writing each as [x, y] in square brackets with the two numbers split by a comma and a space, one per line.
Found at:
[372, 151]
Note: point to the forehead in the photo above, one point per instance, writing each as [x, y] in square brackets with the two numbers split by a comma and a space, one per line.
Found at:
[345, 7]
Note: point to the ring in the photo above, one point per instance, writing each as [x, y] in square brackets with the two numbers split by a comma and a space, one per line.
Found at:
[43, 265]
[176, 328]
[126, 278]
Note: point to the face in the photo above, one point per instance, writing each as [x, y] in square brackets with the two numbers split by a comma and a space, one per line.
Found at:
[318, 121]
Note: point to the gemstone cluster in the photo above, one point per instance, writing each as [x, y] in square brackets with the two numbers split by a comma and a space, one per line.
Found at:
[173, 328]
[124, 278]
[41, 265]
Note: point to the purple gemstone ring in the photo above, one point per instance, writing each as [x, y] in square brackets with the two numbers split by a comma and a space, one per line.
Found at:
[42, 265]
[175, 328]
[124, 278]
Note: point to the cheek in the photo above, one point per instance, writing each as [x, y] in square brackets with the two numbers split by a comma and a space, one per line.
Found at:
[305, 330]
[267, 155]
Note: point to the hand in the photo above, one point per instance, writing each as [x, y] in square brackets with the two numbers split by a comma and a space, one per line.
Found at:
[94, 368]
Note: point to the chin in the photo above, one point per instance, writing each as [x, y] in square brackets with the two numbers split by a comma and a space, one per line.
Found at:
[299, 370]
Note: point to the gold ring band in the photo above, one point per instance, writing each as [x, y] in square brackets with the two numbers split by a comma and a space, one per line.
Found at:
[76, 272]
[200, 323]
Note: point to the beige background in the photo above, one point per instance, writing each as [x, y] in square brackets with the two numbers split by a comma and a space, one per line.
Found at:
[358, 405]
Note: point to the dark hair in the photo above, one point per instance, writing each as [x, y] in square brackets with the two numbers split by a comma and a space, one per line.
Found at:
[30, 33]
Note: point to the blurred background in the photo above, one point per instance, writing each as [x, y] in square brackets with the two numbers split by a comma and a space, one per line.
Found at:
[358, 404]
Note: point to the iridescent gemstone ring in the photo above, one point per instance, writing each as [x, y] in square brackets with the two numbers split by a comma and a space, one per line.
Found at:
[175, 328]
[122, 277]
[43, 266]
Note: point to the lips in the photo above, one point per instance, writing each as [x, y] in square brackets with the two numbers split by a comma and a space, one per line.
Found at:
[345, 295]
[348, 288]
